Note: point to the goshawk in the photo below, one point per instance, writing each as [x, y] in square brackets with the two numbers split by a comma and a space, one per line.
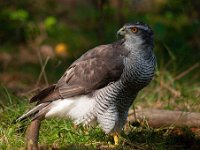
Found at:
[99, 86]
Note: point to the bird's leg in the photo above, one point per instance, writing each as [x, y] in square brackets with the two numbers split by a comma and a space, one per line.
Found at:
[116, 138]
[32, 134]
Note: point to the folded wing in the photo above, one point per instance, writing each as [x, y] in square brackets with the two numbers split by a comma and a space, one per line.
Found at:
[94, 70]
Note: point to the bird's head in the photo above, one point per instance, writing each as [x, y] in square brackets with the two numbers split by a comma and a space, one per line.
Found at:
[137, 33]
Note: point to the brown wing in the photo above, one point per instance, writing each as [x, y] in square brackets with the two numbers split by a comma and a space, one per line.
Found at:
[94, 70]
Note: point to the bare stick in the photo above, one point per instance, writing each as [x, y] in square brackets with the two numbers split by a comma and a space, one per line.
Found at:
[43, 72]
[170, 89]
[32, 135]
[163, 118]
[186, 71]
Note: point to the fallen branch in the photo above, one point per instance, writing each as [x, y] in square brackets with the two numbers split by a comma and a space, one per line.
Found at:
[162, 118]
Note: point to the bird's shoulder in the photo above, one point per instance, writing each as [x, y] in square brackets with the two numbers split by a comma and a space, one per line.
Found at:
[114, 50]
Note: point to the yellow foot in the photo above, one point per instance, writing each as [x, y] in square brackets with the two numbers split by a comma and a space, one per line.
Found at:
[116, 139]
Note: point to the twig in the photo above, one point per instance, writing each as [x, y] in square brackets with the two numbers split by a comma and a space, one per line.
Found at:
[43, 72]
[35, 45]
[134, 113]
[133, 145]
[186, 71]
[30, 91]
[176, 93]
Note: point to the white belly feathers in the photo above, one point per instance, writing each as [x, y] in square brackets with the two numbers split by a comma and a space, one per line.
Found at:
[80, 109]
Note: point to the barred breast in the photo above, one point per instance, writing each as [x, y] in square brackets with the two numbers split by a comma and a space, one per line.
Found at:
[138, 73]
[112, 107]
[114, 100]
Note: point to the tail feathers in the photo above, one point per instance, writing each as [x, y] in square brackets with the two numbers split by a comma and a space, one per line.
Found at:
[33, 112]
[42, 94]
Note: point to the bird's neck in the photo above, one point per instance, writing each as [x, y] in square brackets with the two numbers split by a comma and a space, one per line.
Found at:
[139, 48]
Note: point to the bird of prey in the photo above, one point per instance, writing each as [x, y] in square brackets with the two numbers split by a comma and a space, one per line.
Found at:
[100, 86]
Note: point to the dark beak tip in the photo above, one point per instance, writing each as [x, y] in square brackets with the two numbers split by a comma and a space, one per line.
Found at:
[121, 32]
[118, 35]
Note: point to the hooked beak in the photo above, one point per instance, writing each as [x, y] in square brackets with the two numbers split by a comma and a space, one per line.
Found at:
[121, 31]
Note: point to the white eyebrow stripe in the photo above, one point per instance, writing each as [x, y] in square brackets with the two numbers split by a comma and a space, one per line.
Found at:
[139, 26]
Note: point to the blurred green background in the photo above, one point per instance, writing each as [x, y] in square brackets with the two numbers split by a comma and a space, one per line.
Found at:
[53, 33]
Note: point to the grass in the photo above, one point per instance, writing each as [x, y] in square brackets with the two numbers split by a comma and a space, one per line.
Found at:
[61, 134]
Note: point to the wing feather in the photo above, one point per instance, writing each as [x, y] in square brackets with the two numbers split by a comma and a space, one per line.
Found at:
[93, 70]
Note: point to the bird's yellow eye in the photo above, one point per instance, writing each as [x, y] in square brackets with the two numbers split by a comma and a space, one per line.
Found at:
[134, 29]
